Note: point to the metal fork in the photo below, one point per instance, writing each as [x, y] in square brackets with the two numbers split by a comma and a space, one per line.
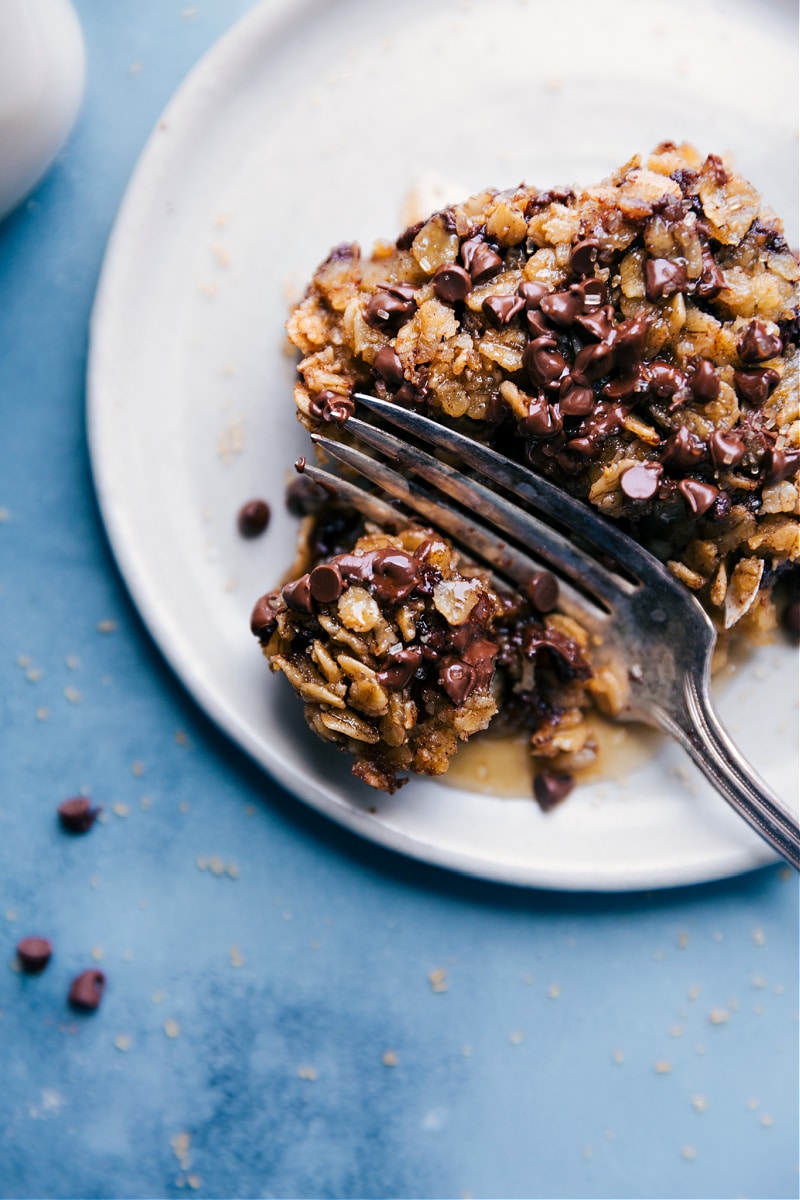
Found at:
[641, 620]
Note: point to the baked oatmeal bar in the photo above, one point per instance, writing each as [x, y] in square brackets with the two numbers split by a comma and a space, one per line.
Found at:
[636, 342]
[400, 650]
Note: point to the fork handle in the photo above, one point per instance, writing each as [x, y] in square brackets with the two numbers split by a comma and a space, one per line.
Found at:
[703, 736]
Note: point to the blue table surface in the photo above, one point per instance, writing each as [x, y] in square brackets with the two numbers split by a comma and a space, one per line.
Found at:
[270, 1027]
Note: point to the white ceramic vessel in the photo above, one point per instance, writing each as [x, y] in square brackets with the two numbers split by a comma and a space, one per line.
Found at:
[42, 74]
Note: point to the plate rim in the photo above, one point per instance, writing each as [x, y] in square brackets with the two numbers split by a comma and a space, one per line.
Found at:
[250, 29]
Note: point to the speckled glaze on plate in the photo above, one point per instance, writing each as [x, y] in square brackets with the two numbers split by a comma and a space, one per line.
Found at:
[305, 126]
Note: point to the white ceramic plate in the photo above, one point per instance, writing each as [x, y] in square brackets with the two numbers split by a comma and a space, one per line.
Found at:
[304, 127]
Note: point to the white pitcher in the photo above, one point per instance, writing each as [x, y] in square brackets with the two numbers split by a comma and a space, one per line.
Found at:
[42, 74]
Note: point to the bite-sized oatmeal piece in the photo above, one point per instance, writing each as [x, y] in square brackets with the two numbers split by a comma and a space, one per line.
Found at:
[400, 650]
[636, 342]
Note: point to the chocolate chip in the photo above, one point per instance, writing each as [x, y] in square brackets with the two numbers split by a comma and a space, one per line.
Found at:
[584, 256]
[664, 379]
[543, 420]
[538, 325]
[698, 495]
[304, 497]
[297, 595]
[663, 278]
[86, 990]
[408, 235]
[458, 680]
[253, 518]
[757, 343]
[598, 323]
[620, 388]
[592, 293]
[641, 482]
[484, 263]
[683, 450]
[704, 382]
[592, 362]
[533, 294]
[399, 666]
[388, 367]
[34, 954]
[77, 815]
[755, 386]
[790, 618]
[711, 281]
[575, 400]
[630, 341]
[550, 788]
[332, 407]
[781, 465]
[501, 310]
[542, 591]
[385, 311]
[584, 447]
[394, 574]
[727, 449]
[562, 308]
[452, 283]
[325, 583]
[543, 362]
[264, 617]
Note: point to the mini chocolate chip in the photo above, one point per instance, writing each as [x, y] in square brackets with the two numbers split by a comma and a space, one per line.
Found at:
[562, 308]
[325, 583]
[542, 421]
[781, 465]
[704, 382]
[543, 362]
[663, 278]
[303, 496]
[630, 341]
[457, 679]
[388, 366]
[575, 400]
[664, 379]
[34, 954]
[592, 362]
[533, 294]
[387, 311]
[264, 617]
[538, 325]
[399, 666]
[711, 280]
[394, 574]
[253, 518]
[297, 595]
[727, 449]
[408, 235]
[550, 788]
[584, 256]
[484, 264]
[592, 293]
[501, 310]
[598, 323]
[698, 495]
[542, 591]
[584, 447]
[86, 990]
[641, 482]
[402, 291]
[683, 450]
[755, 386]
[620, 388]
[452, 283]
[331, 407]
[790, 618]
[757, 343]
[77, 815]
